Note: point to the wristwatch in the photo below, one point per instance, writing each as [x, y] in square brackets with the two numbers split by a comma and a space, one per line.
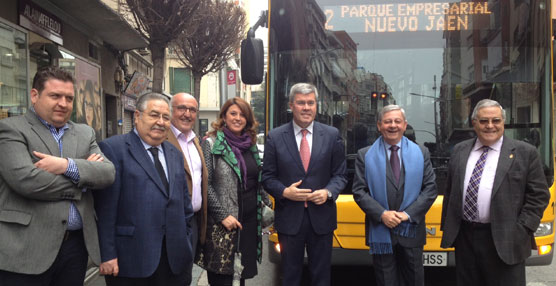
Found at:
[329, 194]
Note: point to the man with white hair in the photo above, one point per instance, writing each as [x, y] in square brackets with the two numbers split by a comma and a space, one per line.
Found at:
[304, 170]
[495, 197]
[143, 217]
[395, 186]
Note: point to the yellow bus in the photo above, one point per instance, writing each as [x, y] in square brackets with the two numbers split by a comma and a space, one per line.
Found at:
[436, 59]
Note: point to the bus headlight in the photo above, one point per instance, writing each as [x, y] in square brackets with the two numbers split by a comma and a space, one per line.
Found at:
[277, 247]
[544, 228]
[545, 249]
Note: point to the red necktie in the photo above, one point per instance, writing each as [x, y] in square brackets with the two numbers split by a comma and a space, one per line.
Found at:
[305, 152]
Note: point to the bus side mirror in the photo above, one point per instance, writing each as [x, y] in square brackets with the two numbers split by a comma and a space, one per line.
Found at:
[252, 60]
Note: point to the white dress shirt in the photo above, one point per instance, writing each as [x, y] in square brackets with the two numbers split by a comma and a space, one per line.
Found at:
[161, 156]
[191, 155]
[299, 135]
[487, 177]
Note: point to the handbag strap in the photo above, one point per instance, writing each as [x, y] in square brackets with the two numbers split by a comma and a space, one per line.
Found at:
[240, 211]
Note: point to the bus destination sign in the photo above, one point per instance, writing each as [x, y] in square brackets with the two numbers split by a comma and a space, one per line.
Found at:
[404, 17]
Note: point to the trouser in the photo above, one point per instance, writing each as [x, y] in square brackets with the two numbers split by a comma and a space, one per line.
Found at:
[68, 269]
[478, 263]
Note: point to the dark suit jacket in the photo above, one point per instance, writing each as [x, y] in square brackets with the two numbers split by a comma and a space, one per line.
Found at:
[204, 184]
[136, 212]
[417, 210]
[282, 166]
[34, 204]
[519, 197]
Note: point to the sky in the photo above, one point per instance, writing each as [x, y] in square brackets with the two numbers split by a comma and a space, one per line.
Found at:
[255, 11]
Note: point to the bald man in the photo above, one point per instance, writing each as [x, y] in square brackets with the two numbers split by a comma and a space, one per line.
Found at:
[184, 114]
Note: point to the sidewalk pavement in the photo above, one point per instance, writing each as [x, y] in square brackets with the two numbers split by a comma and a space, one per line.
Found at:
[199, 276]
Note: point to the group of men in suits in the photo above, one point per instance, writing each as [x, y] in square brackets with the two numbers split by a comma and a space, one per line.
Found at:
[169, 222]
[142, 188]
[153, 216]
[488, 216]
[149, 188]
[144, 232]
[496, 195]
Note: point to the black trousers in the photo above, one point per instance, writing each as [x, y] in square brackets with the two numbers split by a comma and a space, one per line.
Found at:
[222, 279]
[193, 223]
[319, 254]
[478, 263]
[68, 268]
[402, 268]
[163, 275]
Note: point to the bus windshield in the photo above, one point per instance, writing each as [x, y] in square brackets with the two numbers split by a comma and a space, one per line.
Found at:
[435, 59]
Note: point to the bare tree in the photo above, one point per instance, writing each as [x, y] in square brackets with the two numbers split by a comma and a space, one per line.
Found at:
[160, 22]
[220, 28]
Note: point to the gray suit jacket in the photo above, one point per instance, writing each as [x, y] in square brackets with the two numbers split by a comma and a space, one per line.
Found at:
[519, 197]
[417, 211]
[34, 204]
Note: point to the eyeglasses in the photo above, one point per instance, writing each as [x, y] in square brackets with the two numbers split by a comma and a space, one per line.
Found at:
[303, 103]
[155, 116]
[182, 109]
[486, 121]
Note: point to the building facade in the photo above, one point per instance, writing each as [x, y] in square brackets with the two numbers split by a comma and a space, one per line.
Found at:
[88, 38]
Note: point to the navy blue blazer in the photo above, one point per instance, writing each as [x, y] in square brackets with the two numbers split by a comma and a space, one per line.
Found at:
[136, 212]
[282, 166]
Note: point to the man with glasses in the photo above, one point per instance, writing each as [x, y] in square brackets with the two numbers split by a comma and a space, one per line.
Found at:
[495, 197]
[143, 217]
[304, 170]
[182, 136]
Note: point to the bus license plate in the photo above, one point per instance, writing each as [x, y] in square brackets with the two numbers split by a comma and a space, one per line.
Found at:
[435, 259]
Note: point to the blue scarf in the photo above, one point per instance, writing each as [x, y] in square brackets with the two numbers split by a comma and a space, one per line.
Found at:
[375, 174]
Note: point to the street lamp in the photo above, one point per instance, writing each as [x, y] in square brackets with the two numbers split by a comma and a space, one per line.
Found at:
[435, 100]
[435, 114]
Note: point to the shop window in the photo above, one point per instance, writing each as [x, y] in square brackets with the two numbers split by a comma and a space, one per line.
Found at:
[93, 51]
[180, 80]
[203, 127]
[13, 72]
[88, 103]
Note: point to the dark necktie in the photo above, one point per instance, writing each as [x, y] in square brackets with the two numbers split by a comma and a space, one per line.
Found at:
[470, 206]
[159, 168]
[395, 162]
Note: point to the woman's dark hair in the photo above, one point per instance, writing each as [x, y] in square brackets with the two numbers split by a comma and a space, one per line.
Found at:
[251, 126]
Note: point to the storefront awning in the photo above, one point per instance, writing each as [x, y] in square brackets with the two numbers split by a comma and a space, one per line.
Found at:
[99, 19]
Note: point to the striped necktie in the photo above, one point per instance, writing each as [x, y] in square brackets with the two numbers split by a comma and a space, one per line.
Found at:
[470, 207]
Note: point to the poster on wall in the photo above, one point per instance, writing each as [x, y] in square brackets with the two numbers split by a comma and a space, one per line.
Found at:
[88, 102]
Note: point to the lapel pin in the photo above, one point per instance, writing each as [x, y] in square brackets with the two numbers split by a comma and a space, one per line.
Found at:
[511, 156]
